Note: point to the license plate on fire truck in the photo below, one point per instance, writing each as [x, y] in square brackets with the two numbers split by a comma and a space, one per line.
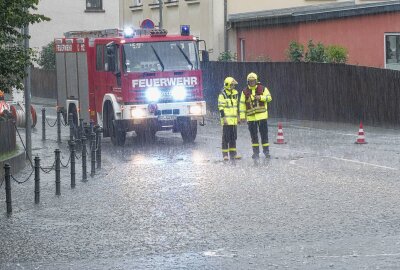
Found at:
[166, 117]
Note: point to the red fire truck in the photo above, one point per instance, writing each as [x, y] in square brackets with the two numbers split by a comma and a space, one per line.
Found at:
[142, 81]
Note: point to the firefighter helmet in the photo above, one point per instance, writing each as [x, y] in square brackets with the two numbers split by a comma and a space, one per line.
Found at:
[252, 76]
[230, 82]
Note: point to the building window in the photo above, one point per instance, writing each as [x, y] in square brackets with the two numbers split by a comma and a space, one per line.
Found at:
[136, 5]
[242, 50]
[392, 51]
[94, 4]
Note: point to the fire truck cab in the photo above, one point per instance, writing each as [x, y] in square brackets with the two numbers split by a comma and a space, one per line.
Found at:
[142, 81]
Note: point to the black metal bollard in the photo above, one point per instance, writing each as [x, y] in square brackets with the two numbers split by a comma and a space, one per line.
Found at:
[7, 178]
[72, 148]
[99, 130]
[91, 124]
[43, 124]
[58, 182]
[84, 173]
[93, 153]
[81, 129]
[37, 179]
[58, 126]
[71, 127]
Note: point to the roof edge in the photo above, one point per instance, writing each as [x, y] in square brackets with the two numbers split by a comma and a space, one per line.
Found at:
[311, 13]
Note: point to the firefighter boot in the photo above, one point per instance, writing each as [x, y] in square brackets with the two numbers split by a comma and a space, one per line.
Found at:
[266, 152]
[234, 155]
[256, 153]
[225, 156]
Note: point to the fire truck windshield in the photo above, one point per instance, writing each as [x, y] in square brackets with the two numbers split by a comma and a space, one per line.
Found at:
[160, 56]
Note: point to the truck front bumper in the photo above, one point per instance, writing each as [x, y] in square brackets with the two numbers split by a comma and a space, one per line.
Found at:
[196, 110]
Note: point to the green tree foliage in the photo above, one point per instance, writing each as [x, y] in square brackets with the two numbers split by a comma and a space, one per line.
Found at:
[295, 52]
[14, 15]
[336, 54]
[227, 56]
[47, 58]
[315, 53]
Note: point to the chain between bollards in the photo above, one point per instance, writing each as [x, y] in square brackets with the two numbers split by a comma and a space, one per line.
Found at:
[43, 124]
[37, 179]
[58, 182]
[84, 172]
[7, 177]
[93, 153]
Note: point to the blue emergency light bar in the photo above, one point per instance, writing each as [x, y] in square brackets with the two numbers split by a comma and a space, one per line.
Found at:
[185, 30]
[128, 32]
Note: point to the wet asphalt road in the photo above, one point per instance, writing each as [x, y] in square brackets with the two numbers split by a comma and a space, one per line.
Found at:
[320, 202]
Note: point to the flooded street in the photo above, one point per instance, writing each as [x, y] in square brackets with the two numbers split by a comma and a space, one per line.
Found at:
[319, 202]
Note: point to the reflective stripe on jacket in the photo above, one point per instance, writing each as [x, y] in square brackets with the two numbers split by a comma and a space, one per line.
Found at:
[228, 103]
[255, 112]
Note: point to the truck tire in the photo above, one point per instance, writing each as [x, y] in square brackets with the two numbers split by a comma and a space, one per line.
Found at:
[117, 135]
[188, 130]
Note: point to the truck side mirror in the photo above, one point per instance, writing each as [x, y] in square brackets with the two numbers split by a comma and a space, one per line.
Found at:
[110, 50]
[205, 56]
[202, 46]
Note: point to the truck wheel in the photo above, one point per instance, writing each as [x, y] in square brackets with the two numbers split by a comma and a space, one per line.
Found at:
[189, 130]
[117, 135]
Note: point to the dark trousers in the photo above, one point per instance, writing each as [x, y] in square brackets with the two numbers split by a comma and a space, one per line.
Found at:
[229, 136]
[262, 127]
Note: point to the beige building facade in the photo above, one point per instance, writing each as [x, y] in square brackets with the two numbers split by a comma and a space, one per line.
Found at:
[205, 17]
[73, 15]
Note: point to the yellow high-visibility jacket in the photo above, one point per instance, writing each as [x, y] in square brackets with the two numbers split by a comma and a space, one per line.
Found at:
[251, 112]
[228, 106]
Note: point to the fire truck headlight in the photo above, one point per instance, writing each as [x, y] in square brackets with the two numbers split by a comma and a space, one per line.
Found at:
[138, 112]
[178, 93]
[195, 110]
[153, 94]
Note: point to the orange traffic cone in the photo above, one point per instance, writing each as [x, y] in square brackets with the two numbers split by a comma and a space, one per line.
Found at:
[361, 135]
[279, 138]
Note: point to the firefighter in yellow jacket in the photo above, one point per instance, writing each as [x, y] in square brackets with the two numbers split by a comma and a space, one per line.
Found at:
[228, 109]
[253, 107]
